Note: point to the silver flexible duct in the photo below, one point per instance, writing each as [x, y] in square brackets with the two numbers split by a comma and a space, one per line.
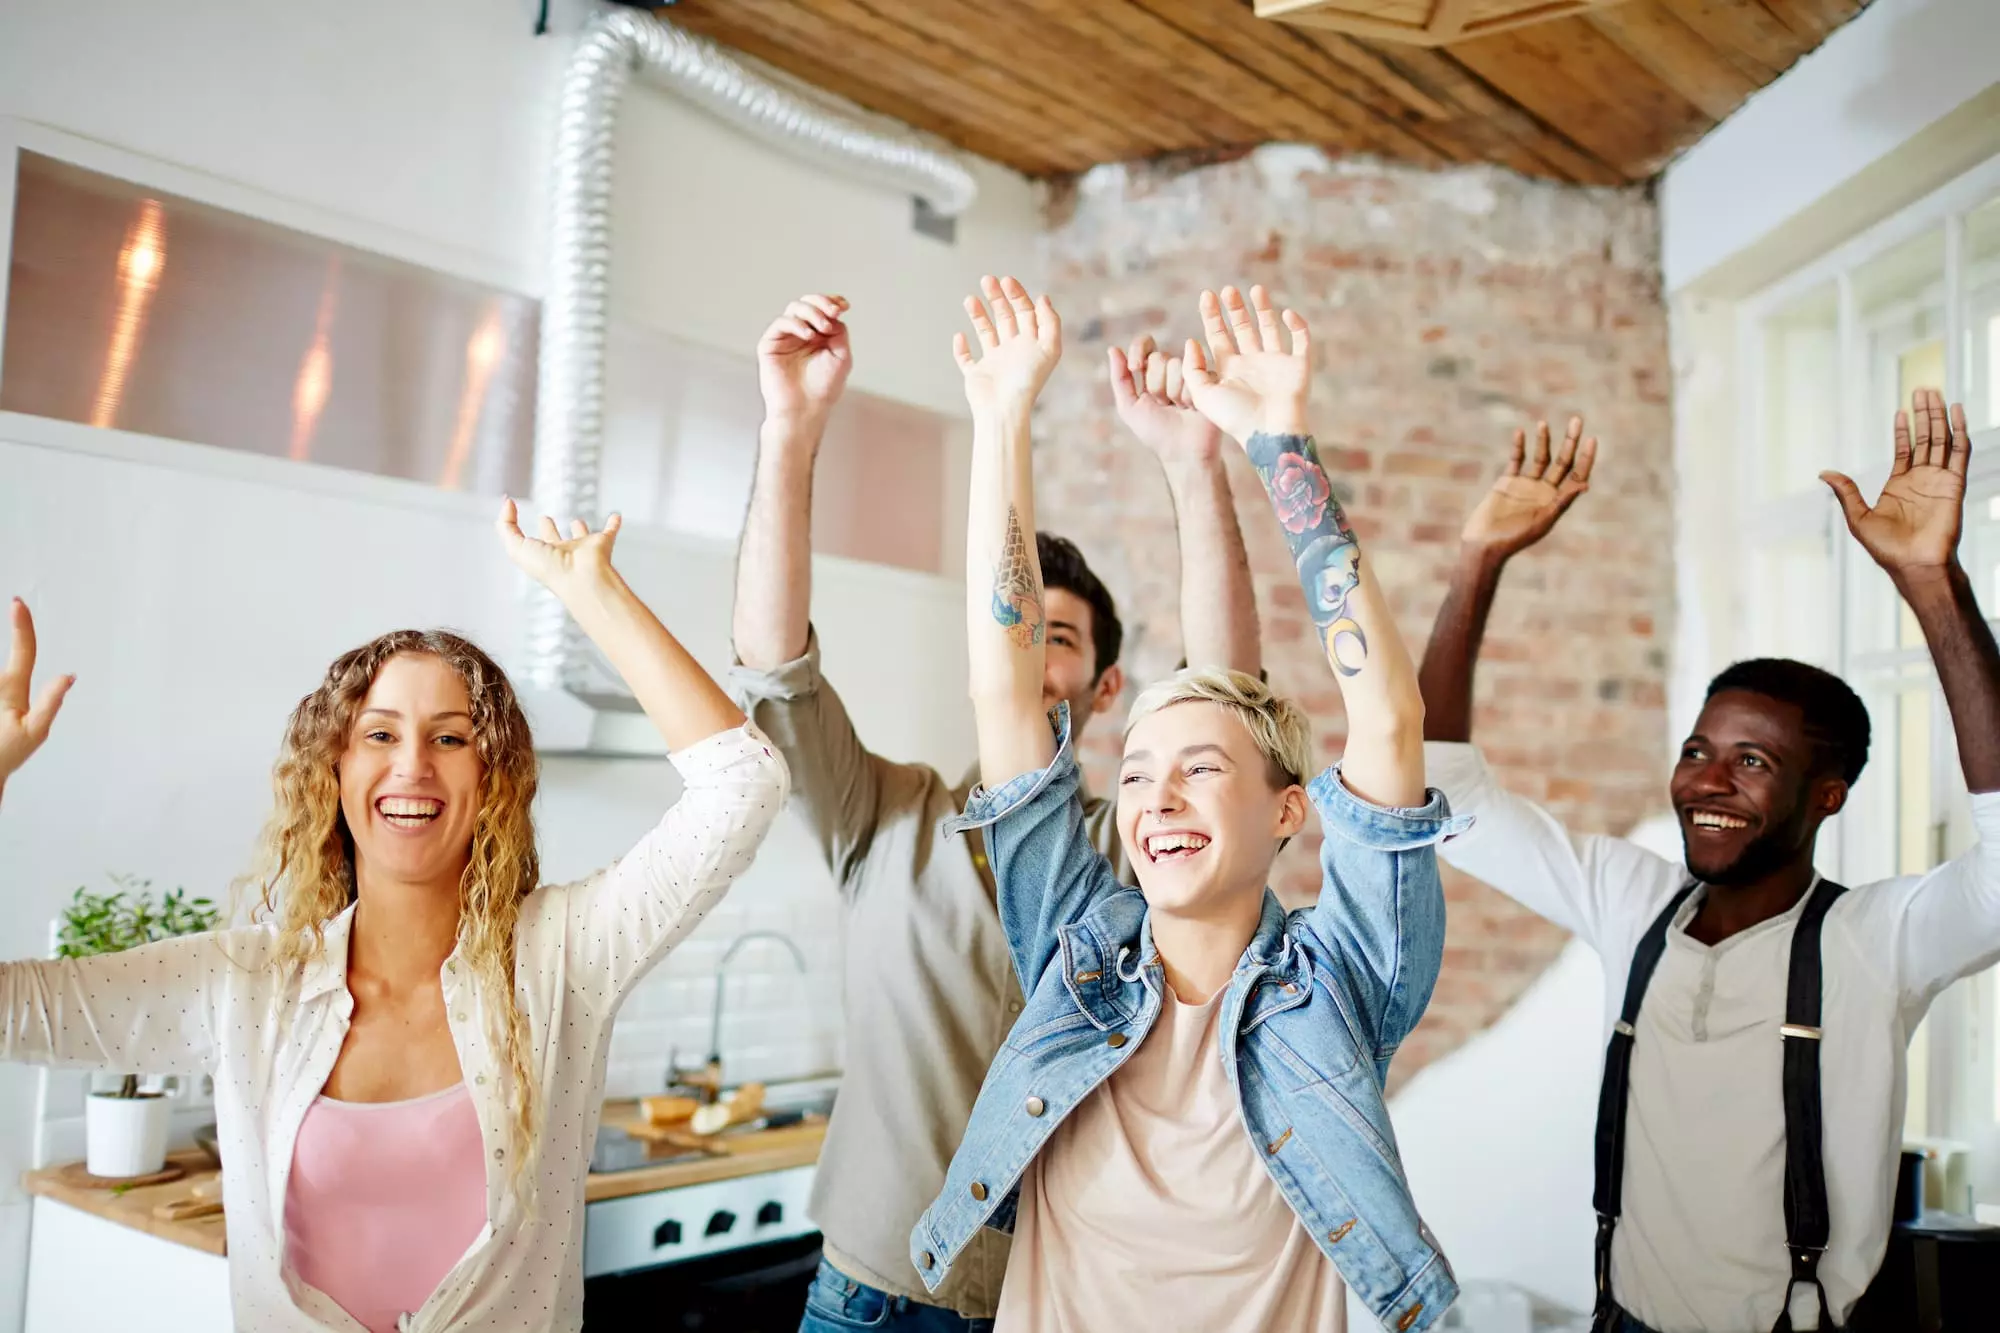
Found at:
[569, 411]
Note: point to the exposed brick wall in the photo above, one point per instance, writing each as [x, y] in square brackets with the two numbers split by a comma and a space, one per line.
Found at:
[1446, 309]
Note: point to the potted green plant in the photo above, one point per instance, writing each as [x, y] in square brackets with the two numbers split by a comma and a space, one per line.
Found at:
[125, 1132]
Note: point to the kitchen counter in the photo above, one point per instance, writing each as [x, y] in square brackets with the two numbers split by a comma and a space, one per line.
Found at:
[134, 1207]
[749, 1154]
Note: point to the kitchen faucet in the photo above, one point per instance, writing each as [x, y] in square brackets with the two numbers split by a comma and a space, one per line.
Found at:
[710, 1079]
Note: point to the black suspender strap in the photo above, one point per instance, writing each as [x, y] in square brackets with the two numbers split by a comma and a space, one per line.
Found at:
[1806, 1219]
[1611, 1098]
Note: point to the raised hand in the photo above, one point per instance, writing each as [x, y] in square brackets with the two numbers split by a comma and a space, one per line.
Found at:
[1533, 492]
[1248, 380]
[25, 720]
[1914, 526]
[1020, 341]
[803, 360]
[1151, 395]
[562, 566]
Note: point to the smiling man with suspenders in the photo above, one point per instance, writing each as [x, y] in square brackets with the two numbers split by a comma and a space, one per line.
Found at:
[1750, 1117]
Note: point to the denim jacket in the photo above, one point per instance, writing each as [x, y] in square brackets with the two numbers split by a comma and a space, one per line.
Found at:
[1317, 1006]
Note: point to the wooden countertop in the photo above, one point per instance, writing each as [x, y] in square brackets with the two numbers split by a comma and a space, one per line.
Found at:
[749, 1155]
[134, 1207]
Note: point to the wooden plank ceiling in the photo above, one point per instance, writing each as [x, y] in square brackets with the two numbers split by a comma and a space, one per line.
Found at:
[1050, 87]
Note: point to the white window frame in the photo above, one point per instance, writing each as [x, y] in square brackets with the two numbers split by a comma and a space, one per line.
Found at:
[1957, 1054]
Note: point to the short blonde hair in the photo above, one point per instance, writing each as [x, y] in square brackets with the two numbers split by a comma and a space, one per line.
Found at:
[1277, 725]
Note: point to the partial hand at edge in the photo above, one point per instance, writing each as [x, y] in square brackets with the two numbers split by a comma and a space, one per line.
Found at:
[24, 719]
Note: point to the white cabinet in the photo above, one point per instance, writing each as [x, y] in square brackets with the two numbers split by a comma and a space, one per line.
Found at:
[90, 1275]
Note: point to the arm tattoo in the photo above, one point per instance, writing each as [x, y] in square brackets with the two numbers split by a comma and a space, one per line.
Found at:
[1323, 545]
[1017, 590]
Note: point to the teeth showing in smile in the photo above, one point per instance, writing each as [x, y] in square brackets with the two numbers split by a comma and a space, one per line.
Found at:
[1708, 819]
[1163, 845]
[408, 811]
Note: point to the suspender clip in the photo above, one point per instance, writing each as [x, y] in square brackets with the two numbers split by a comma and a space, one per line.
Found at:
[1799, 1030]
[1622, 1028]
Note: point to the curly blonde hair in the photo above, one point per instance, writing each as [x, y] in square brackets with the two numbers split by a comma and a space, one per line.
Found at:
[306, 866]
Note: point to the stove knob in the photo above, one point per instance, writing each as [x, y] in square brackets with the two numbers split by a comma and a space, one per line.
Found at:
[667, 1233]
[771, 1214]
[720, 1224]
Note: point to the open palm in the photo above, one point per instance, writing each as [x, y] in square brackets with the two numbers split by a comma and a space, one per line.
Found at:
[1248, 379]
[1916, 522]
[1533, 492]
[557, 563]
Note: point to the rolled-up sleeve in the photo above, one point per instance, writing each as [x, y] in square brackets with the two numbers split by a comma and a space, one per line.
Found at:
[1044, 865]
[836, 781]
[1381, 903]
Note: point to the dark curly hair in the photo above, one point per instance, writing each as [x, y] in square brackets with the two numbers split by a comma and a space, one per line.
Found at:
[1063, 567]
[1836, 721]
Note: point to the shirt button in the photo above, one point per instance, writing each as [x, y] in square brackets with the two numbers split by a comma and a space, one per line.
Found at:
[1036, 1106]
[926, 1260]
[1291, 988]
[480, 1079]
[458, 1017]
[1115, 1040]
[1013, 1006]
[979, 1191]
[499, 1154]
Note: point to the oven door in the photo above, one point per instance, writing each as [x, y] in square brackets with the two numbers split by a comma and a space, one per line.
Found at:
[733, 1255]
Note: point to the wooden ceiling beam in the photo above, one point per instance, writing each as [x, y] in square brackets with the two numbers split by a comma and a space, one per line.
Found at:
[1167, 53]
[980, 84]
[1569, 74]
[1304, 70]
[1744, 27]
[1482, 104]
[1040, 49]
[1676, 54]
[1053, 70]
[982, 140]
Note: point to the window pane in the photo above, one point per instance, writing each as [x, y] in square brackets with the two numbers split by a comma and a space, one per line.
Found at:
[1899, 302]
[1982, 316]
[1791, 582]
[143, 311]
[1801, 391]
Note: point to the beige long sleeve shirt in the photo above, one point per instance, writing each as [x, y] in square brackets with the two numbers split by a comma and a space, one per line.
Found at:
[929, 990]
[218, 1003]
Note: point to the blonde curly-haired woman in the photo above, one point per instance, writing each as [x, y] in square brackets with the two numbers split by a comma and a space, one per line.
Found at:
[408, 1046]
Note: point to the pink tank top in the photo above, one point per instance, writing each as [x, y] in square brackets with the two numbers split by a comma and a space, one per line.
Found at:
[385, 1197]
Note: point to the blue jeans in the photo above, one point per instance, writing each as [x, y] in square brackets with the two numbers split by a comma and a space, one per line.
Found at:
[838, 1304]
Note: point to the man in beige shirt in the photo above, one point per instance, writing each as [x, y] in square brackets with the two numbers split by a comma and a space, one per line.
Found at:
[929, 988]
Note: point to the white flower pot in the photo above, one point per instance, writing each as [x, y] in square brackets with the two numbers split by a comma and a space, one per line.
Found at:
[125, 1136]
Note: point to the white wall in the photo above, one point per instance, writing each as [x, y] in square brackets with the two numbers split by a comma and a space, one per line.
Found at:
[199, 595]
[1896, 68]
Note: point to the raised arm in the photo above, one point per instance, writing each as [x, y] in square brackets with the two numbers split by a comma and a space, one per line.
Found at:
[24, 719]
[802, 364]
[1020, 341]
[143, 1010]
[1218, 604]
[618, 923]
[1946, 924]
[1254, 387]
[1912, 532]
[1524, 504]
[803, 361]
[678, 696]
